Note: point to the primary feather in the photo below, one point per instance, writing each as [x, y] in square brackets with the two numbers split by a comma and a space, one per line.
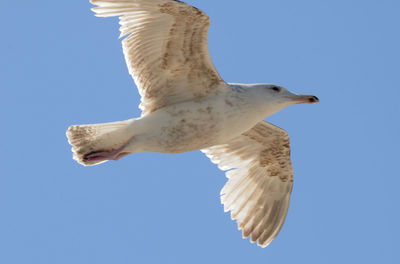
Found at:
[165, 49]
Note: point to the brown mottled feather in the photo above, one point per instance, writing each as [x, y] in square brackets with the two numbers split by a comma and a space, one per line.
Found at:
[259, 186]
[165, 49]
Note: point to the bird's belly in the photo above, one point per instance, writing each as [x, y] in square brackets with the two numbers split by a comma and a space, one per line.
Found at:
[191, 126]
[186, 136]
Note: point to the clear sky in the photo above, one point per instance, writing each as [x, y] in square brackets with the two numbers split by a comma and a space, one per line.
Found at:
[60, 65]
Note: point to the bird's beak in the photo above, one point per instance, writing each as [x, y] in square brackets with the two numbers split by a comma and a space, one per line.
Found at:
[304, 98]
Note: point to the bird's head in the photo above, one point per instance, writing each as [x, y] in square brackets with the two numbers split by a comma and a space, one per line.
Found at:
[273, 98]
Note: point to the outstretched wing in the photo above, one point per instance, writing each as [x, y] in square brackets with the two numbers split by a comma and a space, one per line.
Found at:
[260, 180]
[165, 49]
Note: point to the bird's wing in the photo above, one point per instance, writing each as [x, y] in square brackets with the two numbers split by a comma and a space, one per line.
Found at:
[260, 178]
[165, 48]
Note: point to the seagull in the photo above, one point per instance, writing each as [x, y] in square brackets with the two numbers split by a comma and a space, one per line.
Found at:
[187, 106]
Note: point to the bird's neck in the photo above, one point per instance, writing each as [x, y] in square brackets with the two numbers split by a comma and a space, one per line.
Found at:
[260, 104]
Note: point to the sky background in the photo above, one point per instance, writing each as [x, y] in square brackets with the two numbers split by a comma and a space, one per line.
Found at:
[60, 65]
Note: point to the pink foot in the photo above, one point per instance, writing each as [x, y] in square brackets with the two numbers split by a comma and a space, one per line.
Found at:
[100, 155]
[106, 155]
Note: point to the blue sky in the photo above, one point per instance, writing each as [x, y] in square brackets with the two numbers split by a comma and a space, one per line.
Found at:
[60, 65]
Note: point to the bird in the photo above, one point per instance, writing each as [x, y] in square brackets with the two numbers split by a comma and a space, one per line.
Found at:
[187, 106]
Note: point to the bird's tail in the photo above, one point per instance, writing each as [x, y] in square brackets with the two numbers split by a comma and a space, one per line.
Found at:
[97, 143]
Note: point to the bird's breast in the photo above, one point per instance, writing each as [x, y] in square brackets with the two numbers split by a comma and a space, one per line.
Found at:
[195, 125]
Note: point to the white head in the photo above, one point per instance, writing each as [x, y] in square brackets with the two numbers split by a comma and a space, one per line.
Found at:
[271, 98]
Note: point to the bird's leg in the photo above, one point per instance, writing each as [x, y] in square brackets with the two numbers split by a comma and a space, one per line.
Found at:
[106, 154]
[121, 155]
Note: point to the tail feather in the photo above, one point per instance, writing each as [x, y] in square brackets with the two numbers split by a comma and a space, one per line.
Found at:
[95, 138]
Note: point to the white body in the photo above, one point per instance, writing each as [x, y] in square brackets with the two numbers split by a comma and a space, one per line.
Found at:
[199, 124]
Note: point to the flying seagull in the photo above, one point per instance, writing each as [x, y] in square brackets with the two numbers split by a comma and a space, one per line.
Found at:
[187, 106]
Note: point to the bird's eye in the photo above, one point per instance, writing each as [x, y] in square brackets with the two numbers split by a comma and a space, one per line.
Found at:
[275, 88]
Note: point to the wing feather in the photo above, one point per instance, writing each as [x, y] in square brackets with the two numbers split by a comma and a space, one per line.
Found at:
[260, 180]
[165, 48]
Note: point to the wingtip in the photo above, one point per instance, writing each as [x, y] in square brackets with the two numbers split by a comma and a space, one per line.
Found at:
[96, 10]
[262, 246]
